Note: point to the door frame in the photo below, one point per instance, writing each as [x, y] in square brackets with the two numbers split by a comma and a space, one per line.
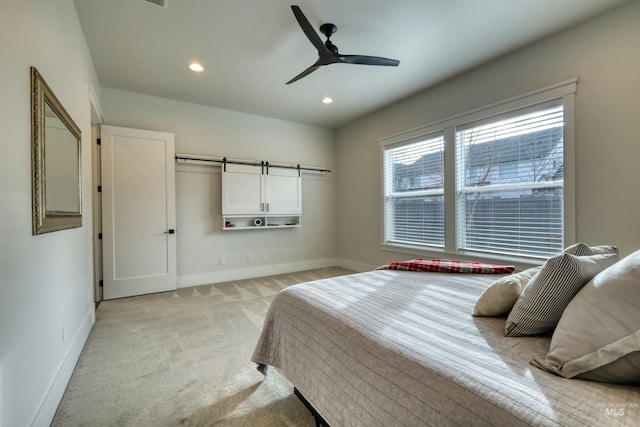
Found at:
[96, 196]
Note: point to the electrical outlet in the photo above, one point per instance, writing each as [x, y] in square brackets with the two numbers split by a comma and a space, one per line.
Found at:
[221, 260]
[249, 258]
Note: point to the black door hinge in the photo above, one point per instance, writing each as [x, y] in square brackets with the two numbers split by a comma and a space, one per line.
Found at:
[99, 141]
[99, 188]
[99, 236]
[101, 283]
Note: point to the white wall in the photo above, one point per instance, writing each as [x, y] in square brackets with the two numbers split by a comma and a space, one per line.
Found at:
[46, 280]
[602, 53]
[220, 133]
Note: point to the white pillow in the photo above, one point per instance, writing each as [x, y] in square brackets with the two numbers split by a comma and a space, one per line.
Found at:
[500, 296]
[598, 336]
[540, 306]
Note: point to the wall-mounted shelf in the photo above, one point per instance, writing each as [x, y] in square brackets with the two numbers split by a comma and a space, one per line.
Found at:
[253, 222]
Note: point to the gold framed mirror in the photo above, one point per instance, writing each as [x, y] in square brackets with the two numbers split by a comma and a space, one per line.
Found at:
[56, 161]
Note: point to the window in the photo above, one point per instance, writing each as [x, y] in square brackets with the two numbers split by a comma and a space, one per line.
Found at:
[414, 192]
[493, 181]
[510, 178]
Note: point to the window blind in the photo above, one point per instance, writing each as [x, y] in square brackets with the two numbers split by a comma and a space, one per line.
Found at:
[414, 192]
[510, 175]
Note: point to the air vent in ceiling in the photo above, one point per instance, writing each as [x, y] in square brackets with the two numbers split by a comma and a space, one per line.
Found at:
[160, 3]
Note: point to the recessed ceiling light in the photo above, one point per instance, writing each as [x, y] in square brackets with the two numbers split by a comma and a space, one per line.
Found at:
[194, 66]
[327, 100]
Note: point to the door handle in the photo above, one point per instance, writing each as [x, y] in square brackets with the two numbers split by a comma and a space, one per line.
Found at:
[170, 231]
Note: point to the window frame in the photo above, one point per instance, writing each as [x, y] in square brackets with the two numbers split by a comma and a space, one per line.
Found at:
[563, 92]
[409, 194]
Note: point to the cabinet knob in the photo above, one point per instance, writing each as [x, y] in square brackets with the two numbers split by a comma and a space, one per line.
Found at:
[170, 231]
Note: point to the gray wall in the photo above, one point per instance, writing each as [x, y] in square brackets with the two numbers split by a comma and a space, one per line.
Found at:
[221, 133]
[45, 280]
[602, 53]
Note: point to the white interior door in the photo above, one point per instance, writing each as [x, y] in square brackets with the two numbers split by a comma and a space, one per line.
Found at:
[138, 212]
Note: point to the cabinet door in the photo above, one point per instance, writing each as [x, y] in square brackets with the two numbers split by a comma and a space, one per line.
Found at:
[242, 190]
[283, 191]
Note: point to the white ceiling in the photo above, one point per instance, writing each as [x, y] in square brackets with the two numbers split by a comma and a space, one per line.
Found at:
[251, 48]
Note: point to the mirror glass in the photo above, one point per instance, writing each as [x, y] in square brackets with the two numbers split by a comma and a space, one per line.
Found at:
[61, 158]
[56, 144]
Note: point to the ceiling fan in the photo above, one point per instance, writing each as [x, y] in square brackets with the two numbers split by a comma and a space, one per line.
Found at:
[328, 52]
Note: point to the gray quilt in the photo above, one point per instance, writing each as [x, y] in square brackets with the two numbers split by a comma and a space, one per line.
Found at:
[397, 348]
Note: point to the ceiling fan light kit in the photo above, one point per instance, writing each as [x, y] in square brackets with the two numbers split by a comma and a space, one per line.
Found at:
[328, 52]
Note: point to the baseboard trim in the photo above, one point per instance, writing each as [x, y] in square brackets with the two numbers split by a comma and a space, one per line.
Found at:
[355, 265]
[49, 404]
[251, 272]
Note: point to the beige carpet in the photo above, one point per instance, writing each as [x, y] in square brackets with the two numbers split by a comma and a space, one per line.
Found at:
[183, 359]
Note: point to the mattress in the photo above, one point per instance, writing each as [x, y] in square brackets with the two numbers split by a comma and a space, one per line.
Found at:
[399, 348]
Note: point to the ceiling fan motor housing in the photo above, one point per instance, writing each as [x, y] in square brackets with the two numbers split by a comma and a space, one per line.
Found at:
[328, 29]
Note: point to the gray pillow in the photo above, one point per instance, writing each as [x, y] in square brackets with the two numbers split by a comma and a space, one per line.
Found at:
[582, 249]
[540, 306]
[598, 336]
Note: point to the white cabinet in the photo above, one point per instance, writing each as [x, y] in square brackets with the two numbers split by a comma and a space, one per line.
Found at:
[255, 196]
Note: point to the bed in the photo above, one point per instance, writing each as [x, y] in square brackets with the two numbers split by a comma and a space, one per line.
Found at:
[400, 348]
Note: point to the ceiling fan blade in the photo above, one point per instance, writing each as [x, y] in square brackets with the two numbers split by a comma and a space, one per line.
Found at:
[369, 60]
[311, 34]
[305, 73]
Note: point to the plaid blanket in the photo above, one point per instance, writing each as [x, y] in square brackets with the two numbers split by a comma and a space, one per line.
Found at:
[447, 266]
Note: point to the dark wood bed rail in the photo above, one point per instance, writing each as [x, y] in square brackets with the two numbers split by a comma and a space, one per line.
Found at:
[320, 422]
